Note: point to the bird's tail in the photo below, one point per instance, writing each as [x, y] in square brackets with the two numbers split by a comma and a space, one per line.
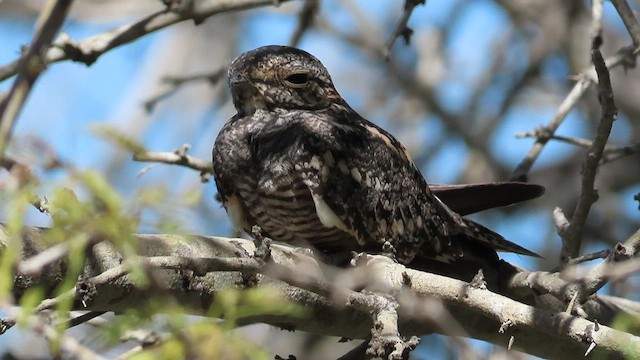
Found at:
[478, 233]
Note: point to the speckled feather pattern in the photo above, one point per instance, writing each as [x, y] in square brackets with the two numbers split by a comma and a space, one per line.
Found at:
[300, 163]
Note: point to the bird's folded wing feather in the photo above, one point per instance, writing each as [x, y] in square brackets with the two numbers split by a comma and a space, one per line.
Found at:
[362, 182]
[466, 199]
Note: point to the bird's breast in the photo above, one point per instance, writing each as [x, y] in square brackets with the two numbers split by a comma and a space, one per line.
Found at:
[287, 213]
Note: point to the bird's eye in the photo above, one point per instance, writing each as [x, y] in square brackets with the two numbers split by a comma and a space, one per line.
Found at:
[297, 80]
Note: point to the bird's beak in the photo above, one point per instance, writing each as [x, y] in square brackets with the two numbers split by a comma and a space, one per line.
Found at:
[238, 79]
[246, 97]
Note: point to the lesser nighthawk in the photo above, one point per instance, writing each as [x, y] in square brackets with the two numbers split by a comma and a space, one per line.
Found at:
[299, 162]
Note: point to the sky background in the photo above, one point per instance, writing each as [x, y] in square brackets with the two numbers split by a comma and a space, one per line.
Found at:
[70, 98]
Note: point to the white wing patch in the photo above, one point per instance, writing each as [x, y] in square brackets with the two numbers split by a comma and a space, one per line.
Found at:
[235, 210]
[329, 219]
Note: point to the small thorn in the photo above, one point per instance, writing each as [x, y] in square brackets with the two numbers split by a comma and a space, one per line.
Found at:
[511, 340]
[591, 347]
[572, 303]
[596, 325]
[478, 281]
[505, 325]
[182, 151]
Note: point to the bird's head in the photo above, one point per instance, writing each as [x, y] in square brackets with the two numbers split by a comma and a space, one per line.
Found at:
[280, 77]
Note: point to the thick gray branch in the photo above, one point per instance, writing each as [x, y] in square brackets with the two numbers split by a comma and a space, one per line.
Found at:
[481, 312]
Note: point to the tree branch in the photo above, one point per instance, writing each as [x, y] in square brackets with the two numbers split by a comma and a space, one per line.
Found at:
[629, 19]
[30, 65]
[89, 50]
[176, 82]
[572, 239]
[177, 157]
[207, 265]
[576, 291]
[625, 57]
[611, 152]
[305, 20]
[402, 29]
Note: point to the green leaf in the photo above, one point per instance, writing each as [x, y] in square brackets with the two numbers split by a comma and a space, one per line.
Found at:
[118, 137]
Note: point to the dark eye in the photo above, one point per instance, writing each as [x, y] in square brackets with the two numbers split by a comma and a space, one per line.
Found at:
[297, 79]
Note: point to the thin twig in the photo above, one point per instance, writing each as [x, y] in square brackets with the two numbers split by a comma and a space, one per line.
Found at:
[625, 56]
[73, 347]
[618, 152]
[305, 20]
[611, 152]
[41, 326]
[143, 345]
[629, 19]
[567, 286]
[616, 265]
[584, 258]
[572, 303]
[402, 29]
[572, 241]
[36, 264]
[177, 157]
[78, 320]
[596, 23]
[30, 65]
[90, 49]
[176, 82]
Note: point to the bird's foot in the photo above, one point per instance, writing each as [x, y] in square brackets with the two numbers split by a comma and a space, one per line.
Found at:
[262, 244]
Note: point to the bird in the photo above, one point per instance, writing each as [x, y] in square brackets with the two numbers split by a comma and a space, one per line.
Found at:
[300, 163]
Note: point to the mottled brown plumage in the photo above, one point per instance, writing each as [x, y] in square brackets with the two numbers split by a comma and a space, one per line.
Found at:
[300, 163]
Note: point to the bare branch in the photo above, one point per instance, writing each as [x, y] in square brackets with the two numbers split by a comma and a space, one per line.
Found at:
[625, 57]
[502, 309]
[30, 65]
[305, 20]
[615, 266]
[176, 82]
[211, 264]
[584, 258]
[402, 29]
[575, 291]
[84, 318]
[596, 23]
[74, 348]
[611, 152]
[89, 50]
[572, 240]
[40, 325]
[629, 19]
[177, 157]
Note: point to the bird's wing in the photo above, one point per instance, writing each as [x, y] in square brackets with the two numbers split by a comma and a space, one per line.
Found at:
[363, 182]
[466, 199]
